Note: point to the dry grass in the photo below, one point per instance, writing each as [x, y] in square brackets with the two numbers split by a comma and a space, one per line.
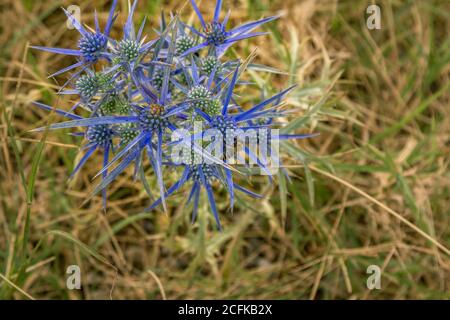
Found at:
[381, 192]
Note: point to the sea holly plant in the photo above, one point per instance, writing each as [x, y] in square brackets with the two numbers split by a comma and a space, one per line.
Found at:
[173, 100]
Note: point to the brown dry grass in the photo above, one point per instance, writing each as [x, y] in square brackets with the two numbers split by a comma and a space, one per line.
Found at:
[385, 131]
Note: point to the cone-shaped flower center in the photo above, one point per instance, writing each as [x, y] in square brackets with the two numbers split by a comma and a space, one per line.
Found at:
[224, 124]
[151, 118]
[87, 85]
[127, 132]
[91, 45]
[99, 134]
[215, 33]
[129, 50]
[201, 96]
[209, 63]
[184, 44]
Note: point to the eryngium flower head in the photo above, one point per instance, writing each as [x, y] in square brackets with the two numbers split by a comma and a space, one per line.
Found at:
[223, 123]
[87, 86]
[215, 33]
[109, 106]
[127, 132]
[99, 134]
[129, 50]
[158, 78]
[201, 96]
[151, 118]
[209, 64]
[216, 37]
[123, 107]
[191, 158]
[227, 126]
[92, 45]
[183, 44]
[214, 107]
[105, 82]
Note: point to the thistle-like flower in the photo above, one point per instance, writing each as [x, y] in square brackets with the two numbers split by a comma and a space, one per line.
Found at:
[147, 99]
[227, 123]
[215, 34]
[92, 46]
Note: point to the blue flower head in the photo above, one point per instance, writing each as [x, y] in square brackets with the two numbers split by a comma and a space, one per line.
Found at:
[92, 46]
[227, 122]
[131, 49]
[136, 96]
[214, 34]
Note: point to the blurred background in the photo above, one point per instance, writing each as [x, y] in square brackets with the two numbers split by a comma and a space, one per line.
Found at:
[372, 189]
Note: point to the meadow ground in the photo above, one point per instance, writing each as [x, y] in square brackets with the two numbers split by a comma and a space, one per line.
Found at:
[372, 189]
